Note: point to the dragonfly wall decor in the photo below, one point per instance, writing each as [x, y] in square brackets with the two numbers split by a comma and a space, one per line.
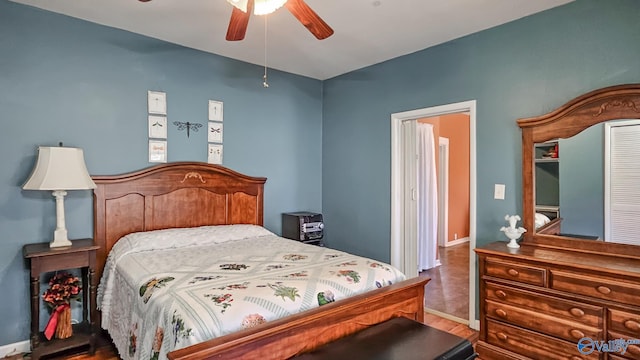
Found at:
[189, 126]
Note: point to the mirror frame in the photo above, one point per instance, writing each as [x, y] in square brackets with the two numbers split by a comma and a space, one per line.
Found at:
[610, 103]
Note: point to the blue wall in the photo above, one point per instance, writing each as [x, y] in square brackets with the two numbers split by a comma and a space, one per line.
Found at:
[521, 69]
[582, 183]
[63, 79]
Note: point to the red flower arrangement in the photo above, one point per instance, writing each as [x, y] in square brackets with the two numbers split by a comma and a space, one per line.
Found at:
[63, 287]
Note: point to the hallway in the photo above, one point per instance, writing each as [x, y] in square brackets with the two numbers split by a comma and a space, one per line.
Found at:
[448, 290]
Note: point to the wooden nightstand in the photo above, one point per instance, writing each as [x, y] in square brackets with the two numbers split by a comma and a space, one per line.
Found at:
[82, 254]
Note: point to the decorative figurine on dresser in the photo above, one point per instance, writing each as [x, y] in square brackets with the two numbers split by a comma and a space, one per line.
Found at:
[513, 232]
[563, 295]
[59, 169]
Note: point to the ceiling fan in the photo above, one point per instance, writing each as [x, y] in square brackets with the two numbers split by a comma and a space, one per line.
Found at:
[299, 9]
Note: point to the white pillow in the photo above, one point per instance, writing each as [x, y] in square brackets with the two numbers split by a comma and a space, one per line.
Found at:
[541, 219]
[182, 237]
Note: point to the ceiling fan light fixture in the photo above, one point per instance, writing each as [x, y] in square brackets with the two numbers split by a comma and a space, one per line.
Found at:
[261, 7]
[240, 4]
[264, 7]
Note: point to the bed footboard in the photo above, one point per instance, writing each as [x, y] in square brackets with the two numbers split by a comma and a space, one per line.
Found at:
[296, 334]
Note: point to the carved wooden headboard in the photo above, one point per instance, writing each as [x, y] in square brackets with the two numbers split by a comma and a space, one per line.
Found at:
[181, 194]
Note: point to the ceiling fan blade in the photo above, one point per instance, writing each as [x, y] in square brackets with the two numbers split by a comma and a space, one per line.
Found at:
[309, 19]
[239, 22]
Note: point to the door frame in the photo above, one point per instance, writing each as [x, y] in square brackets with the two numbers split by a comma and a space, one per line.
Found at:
[397, 228]
[443, 191]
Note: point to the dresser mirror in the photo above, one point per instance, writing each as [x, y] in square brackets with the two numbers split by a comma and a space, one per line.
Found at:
[569, 183]
[568, 144]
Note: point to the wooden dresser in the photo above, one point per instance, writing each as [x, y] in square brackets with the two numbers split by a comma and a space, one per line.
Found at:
[539, 303]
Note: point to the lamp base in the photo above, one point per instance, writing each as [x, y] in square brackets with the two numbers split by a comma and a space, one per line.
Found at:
[60, 243]
[60, 238]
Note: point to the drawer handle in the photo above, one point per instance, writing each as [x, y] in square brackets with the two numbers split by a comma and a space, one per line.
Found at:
[632, 325]
[577, 312]
[513, 272]
[603, 290]
[501, 294]
[501, 313]
[577, 334]
[502, 336]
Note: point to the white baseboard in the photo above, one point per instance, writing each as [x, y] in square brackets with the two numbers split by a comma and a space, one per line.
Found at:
[447, 316]
[474, 324]
[15, 348]
[457, 242]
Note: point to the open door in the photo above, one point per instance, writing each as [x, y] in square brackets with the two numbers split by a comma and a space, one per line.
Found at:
[409, 199]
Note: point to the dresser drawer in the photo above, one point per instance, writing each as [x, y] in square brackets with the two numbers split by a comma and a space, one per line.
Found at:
[602, 288]
[618, 357]
[487, 351]
[531, 344]
[633, 350]
[588, 315]
[517, 272]
[624, 322]
[546, 324]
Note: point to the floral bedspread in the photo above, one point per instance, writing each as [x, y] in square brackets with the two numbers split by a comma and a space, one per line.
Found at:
[168, 289]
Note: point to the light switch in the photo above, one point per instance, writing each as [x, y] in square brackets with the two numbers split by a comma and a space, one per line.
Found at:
[498, 193]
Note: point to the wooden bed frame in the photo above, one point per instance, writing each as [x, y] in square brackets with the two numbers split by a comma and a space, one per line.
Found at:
[188, 194]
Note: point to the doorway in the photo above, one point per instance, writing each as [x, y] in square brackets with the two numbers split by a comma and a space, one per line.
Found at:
[402, 247]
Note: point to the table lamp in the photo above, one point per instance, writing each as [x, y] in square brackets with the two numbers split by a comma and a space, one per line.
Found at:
[59, 169]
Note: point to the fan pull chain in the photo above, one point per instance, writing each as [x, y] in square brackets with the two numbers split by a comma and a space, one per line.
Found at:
[264, 77]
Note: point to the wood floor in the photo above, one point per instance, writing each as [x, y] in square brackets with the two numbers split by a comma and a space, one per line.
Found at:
[448, 290]
[452, 327]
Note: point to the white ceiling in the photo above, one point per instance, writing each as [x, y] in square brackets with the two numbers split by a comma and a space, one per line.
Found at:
[366, 31]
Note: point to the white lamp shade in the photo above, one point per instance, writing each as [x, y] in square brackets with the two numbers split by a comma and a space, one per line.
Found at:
[59, 168]
[260, 7]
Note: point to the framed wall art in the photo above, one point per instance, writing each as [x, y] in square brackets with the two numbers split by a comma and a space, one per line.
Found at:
[158, 151]
[157, 102]
[157, 127]
[214, 132]
[215, 154]
[215, 110]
